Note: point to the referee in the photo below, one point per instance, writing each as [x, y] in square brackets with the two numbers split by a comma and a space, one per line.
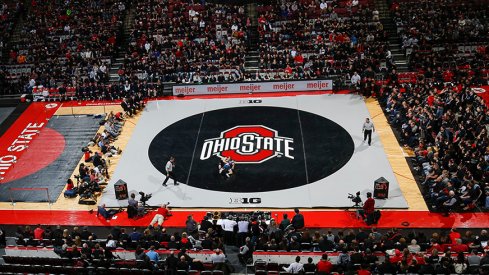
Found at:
[169, 167]
[368, 128]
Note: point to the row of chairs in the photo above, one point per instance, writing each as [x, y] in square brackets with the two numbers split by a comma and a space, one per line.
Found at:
[49, 269]
[37, 260]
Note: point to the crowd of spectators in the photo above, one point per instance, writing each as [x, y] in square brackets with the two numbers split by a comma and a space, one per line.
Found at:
[186, 43]
[446, 126]
[444, 35]
[8, 14]
[314, 39]
[73, 42]
[393, 251]
[68, 42]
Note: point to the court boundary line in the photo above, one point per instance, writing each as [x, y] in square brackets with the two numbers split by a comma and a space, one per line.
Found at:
[195, 147]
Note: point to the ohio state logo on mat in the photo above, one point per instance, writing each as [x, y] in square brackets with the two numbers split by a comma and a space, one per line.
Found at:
[248, 144]
[274, 148]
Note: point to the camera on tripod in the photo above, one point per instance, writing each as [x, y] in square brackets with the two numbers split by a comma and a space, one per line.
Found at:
[144, 197]
[355, 198]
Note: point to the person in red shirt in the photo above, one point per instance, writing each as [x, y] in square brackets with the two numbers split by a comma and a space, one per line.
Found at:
[368, 209]
[454, 235]
[161, 214]
[459, 247]
[69, 185]
[299, 59]
[363, 270]
[38, 232]
[288, 70]
[324, 266]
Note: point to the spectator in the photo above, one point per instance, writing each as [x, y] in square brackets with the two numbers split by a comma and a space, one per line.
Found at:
[205, 224]
[449, 203]
[473, 259]
[218, 257]
[245, 252]
[285, 222]
[183, 264]
[153, 255]
[355, 79]
[309, 266]
[39, 232]
[228, 224]
[459, 247]
[485, 259]
[171, 262]
[298, 220]
[107, 214]
[296, 267]
[324, 266]
[191, 225]
[414, 247]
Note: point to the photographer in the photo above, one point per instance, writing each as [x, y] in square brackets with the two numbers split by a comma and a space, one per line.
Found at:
[368, 209]
[134, 208]
[161, 214]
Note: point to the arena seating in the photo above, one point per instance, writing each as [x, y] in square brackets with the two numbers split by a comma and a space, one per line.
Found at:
[305, 41]
[445, 126]
[389, 252]
[67, 43]
[445, 40]
[174, 41]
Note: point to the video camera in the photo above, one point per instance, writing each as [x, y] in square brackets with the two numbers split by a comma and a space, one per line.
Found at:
[355, 198]
[144, 197]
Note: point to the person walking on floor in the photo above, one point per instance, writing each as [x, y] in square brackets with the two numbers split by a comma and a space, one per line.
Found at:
[368, 128]
[169, 167]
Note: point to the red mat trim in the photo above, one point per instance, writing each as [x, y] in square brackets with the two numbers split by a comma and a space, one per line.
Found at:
[314, 219]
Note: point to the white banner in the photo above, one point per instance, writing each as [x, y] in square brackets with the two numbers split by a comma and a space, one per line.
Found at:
[254, 87]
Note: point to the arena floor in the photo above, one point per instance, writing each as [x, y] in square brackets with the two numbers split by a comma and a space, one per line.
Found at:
[315, 157]
[68, 212]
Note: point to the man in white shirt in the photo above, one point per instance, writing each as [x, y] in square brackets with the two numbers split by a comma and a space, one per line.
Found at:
[294, 268]
[218, 257]
[243, 229]
[228, 225]
[293, 52]
[367, 129]
[323, 5]
[355, 79]
[169, 167]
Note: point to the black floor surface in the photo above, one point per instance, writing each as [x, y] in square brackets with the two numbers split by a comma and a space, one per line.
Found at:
[77, 132]
[320, 148]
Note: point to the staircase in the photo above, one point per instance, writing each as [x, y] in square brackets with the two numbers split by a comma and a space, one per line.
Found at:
[123, 42]
[233, 260]
[252, 58]
[387, 21]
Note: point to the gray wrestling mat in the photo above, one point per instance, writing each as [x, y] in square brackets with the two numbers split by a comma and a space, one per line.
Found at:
[303, 151]
[5, 112]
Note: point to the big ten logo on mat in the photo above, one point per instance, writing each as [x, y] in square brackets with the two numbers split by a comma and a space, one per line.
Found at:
[250, 101]
[244, 200]
[248, 144]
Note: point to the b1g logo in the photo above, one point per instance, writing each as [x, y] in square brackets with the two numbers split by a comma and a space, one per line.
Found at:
[248, 144]
[244, 200]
